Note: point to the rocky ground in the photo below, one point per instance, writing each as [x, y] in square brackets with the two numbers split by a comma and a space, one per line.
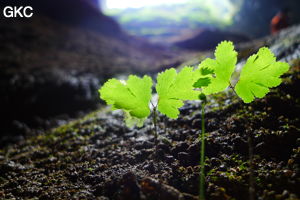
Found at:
[98, 157]
[50, 72]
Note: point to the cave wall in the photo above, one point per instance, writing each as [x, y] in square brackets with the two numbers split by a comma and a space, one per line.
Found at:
[255, 16]
[81, 13]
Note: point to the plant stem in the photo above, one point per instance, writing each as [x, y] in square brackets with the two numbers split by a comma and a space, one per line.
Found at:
[232, 87]
[155, 125]
[202, 163]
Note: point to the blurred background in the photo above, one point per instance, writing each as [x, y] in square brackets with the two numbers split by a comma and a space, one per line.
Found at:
[51, 65]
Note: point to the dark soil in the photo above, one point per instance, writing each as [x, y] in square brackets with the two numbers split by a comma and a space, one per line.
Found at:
[98, 157]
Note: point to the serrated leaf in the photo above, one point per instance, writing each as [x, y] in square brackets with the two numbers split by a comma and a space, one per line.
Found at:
[260, 73]
[174, 88]
[131, 121]
[202, 82]
[132, 96]
[223, 67]
[206, 71]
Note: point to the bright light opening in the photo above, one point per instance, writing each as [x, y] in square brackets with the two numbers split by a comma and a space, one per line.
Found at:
[111, 4]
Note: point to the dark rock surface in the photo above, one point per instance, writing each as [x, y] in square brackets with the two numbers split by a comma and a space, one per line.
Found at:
[254, 17]
[52, 64]
[98, 157]
[207, 39]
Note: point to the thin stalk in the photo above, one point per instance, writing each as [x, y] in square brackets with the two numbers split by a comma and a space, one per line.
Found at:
[202, 163]
[232, 87]
[155, 125]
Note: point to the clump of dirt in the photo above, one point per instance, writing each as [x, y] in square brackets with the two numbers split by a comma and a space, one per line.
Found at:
[98, 157]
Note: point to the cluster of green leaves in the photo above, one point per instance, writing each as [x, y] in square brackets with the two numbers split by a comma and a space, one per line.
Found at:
[260, 73]
[134, 95]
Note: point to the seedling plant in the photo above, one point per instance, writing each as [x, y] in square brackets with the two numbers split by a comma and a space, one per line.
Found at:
[134, 96]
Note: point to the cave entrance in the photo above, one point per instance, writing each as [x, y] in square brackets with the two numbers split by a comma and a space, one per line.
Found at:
[168, 20]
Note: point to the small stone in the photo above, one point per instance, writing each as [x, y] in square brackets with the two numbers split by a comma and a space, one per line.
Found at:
[52, 159]
[194, 148]
[183, 158]
[278, 197]
[291, 161]
[180, 147]
[271, 193]
[149, 167]
[143, 145]
[164, 147]
[169, 159]
[159, 190]
[130, 134]
[288, 173]
[285, 194]
[222, 168]
[215, 161]
[160, 153]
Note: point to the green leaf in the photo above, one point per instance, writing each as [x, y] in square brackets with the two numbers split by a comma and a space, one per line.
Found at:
[202, 82]
[130, 121]
[132, 96]
[206, 71]
[260, 73]
[174, 88]
[223, 67]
